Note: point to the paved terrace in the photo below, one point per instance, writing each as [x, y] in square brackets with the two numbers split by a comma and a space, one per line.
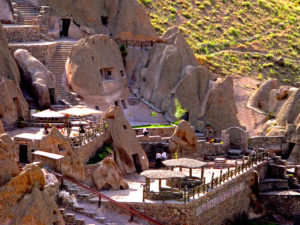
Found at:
[135, 182]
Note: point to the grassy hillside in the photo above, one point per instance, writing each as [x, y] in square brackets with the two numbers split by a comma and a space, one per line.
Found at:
[258, 38]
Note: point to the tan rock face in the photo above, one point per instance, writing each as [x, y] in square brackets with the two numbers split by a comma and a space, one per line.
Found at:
[71, 164]
[122, 19]
[183, 140]
[6, 12]
[36, 76]
[12, 103]
[23, 201]
[8, 159]
[221, 111]
[169, 75]
[108, 176]
[291, 108]
[95, 70]
[129, 152]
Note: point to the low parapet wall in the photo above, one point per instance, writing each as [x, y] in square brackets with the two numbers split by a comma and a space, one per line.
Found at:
[41, 51]
[26, 33]
[214, 207]
[159, 131]
[261, 141]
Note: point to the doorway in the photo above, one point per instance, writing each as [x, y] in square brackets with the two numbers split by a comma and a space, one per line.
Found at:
[23, 154]
[137, 163]
[104, 20]
[65, 25]
[52, 96]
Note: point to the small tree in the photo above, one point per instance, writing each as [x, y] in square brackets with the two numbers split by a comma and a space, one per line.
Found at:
[179, 111]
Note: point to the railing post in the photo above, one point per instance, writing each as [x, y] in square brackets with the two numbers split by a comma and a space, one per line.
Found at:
[99, 200]
[221, 173]
[212, 181]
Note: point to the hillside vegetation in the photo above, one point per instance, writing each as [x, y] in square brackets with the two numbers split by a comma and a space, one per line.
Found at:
[258, 38]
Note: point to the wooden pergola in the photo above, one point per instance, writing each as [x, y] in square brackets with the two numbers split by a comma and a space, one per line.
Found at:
[185, 163]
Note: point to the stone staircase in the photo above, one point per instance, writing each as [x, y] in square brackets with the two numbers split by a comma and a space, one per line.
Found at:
[27, 11]
[57, 67]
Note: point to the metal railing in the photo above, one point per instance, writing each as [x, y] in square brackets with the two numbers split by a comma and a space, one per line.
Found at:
[100, 196]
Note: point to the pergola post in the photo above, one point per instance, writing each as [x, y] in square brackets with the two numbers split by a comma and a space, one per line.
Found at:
[202, 173]
[191, 172]
[159, 184]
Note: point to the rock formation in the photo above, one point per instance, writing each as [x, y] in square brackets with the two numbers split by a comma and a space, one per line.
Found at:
[71, 164]
[108, 176]
[95, 70]
[120, 19]
[37, 78]
[221, 111]
[6, 12]
[8, 159]
[12, 103]
[269, 97]
[184, 140]
[24, 201]
[129, 153]
[168, 75]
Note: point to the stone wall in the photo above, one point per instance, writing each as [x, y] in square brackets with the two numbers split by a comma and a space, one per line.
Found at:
[160, 131]
[261, 141]
[213, 208]
[284, 203]
[85, 152]
[211, 150]
[41, 51]
[25, 33]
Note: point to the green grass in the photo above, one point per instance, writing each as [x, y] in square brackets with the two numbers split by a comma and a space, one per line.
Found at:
[152, 126]
[221, 33]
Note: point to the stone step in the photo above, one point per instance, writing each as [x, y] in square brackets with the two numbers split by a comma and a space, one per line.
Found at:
[100, 219]
[69, 217]
[266, 185]
[89, 214]
[79, 222]
[78, 208]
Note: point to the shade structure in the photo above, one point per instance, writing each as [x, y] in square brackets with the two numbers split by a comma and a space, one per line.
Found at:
[184, 162]
[48, 114]
[162, 174]
[80, 111]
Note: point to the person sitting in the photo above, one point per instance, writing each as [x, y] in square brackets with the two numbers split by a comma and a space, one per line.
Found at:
[164, 156]
[145, 132]
[209, 132]
[158, 159]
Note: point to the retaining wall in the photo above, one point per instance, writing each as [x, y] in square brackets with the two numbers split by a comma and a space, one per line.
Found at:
[25, 33]
[41, 51]
[215, 207]
[159, 131]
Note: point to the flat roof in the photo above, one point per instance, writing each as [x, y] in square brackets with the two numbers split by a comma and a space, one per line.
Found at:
[48, 155]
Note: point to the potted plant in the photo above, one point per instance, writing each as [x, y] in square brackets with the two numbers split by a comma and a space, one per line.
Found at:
[21, 124]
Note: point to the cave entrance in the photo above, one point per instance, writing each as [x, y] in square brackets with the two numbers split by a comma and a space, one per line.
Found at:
[104, 20]
[23, 156]
[65, 25]
[52, 96]
[137, 163]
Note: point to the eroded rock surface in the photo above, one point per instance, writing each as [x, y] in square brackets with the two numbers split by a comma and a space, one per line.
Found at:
[8, 159]
[221, 110]
[108, 176]
[95, 70]
[184, 140]
[12, 103]
[37, 77]
[24, 201]
[129, 152]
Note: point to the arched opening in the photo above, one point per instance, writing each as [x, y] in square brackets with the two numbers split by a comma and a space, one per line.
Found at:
[52, 96]
[23, 156]
[64, 27]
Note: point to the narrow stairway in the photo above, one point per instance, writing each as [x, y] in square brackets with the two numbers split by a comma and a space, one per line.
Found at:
[57, 67]
[27, 10]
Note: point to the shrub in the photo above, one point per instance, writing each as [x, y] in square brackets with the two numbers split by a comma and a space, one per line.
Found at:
[147, 2]
[179, 111]
[233, 31]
